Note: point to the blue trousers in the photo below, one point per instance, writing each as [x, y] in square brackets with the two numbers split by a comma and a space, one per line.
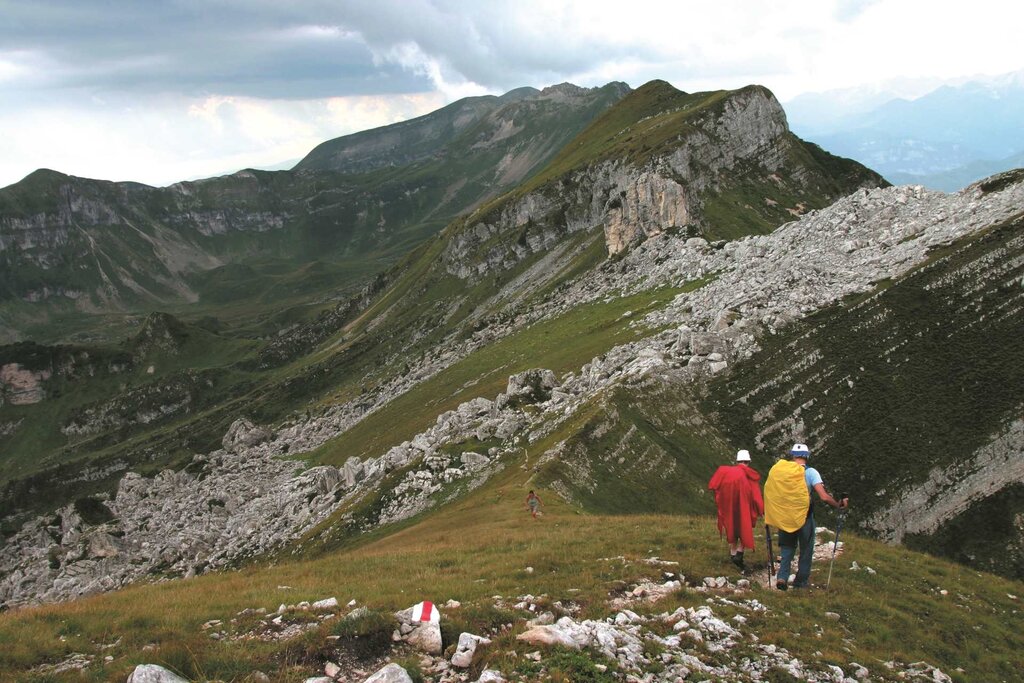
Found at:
[788, 542]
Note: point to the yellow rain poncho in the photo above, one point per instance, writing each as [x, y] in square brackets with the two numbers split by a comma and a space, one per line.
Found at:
[786, 499]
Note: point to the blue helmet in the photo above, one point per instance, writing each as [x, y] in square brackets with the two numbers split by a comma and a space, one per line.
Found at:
[800, 450]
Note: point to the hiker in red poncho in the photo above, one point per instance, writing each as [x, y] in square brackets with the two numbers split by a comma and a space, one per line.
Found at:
[739, 501]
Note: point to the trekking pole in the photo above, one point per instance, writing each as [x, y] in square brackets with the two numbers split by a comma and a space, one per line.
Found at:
[835, 541]
[771, 554]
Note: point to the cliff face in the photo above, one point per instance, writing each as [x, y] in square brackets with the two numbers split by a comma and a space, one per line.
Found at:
[731, 168]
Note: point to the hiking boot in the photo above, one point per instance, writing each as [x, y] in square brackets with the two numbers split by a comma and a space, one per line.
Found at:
[737, 560]
[781, 585]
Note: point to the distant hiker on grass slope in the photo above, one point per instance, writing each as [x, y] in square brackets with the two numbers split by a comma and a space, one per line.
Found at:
[738, 497]
[789, 508]
[533, 503]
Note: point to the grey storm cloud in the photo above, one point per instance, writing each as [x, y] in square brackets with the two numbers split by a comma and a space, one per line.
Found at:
[250, 48]
[282, 49]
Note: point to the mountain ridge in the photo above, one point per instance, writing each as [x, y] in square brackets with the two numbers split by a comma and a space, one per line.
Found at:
[137, 248]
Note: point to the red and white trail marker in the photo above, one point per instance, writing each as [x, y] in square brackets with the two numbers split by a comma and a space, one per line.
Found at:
[425, 611]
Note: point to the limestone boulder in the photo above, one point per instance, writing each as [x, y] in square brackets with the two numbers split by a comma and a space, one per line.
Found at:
[490, 676]
[244, 434]
[323, 480]
[392, 673]
[474, 461]
[466, 649]
[426, 638]
[353, 471]
[548, 635]
[153, 673]
[530, 386]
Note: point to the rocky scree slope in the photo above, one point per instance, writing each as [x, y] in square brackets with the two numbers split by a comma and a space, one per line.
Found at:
[659, 161]
[763, 287]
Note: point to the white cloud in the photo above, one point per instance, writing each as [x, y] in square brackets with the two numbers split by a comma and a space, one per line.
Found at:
[190, 91]
[160, 141]
[792, 46]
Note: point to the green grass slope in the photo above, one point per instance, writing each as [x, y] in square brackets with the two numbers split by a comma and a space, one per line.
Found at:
[640, 449]
[913, 608]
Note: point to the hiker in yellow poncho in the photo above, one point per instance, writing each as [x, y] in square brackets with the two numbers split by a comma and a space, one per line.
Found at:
[789, 508]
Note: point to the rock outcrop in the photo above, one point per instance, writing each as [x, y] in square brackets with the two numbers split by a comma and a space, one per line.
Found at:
[20, 386]
[949, 491]
[244, 434]
[154, 673]
[741, 141]
[390, 673]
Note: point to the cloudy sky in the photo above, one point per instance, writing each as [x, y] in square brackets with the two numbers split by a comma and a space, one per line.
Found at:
[164, 90]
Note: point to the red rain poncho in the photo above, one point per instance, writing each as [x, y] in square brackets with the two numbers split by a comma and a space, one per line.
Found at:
[739, 501]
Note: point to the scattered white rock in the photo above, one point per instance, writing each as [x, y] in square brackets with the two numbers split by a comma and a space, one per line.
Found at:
[325, 605]
[466, 649]
[153, 673]
[392, 673]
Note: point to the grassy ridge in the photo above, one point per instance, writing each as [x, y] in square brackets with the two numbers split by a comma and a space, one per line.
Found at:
[480, 546]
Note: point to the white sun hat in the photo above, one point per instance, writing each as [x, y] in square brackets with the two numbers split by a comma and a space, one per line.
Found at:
[743, 456]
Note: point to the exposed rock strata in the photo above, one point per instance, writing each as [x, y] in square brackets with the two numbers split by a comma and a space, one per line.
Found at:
[631, 203]
[949, 491]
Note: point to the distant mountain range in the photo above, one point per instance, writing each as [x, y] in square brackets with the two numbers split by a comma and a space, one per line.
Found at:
[73, 246]
[945, 139]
